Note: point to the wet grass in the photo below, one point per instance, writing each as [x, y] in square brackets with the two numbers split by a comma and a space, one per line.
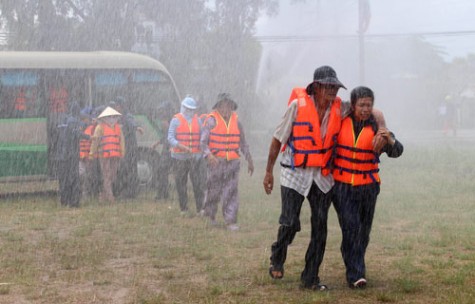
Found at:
[422, 247]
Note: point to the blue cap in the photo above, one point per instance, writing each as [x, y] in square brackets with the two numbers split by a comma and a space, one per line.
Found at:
[86, 112]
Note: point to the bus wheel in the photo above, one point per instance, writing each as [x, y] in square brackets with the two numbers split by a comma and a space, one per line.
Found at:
[147, 163]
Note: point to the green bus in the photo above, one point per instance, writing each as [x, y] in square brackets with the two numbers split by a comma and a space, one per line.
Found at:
[37, 87]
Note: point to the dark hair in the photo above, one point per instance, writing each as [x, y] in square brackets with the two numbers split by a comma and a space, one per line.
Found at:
[360, 92]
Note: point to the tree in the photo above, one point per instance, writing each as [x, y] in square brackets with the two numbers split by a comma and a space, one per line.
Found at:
[210, 44]
[207, 45]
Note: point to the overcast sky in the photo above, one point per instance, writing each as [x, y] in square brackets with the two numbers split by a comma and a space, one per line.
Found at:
[340, 17]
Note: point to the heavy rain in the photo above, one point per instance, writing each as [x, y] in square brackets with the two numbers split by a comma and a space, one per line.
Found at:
[150, 153]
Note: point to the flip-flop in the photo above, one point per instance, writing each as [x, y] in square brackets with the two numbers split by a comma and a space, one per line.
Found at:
[275, 273]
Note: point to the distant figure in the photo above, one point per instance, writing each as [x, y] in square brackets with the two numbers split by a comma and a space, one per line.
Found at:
[222, 141]
[68, 155]
[451, 121]
[127, 183]
[161, 123]
[58, 99]
[20, 104]
[357, 181]
[108, 143]
[184, 139]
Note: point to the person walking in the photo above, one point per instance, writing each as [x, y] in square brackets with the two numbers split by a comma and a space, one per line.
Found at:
[70, 134]
[308, 132]
[108, 143]
[127, 183]
[184, 139]
[222, 139]
[161, 122]
[357, 181]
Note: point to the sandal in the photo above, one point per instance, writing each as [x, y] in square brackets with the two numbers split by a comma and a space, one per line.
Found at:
[276, 273]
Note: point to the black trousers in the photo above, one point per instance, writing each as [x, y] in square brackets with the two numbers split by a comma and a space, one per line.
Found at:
[69, 182]
[164, 165]
[355, 207]
[290, 224]
[194, 168]
[127, 182]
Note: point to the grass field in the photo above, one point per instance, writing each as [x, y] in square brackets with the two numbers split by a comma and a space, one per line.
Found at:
[422, 247]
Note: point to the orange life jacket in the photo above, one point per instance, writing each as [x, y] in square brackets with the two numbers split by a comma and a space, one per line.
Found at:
[110, 141]
[85, 144]
[225, 138]
[188, 134]
[20, 101]
[58, 99]
[355, 161]
[305, 142]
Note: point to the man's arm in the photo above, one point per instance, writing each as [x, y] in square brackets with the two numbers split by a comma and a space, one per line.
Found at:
[394, 148]
[274, 150]
[244, 146]
[379, 141]
[95, 141]
[281, 134]
[204, 141]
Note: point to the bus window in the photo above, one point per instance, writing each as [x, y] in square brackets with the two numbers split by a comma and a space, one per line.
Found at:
[150, 89]
[58, 99]
[19, 95]
[109, 85]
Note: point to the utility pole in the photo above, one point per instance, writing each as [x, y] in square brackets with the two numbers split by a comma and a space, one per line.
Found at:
[361, 31]
[364, 15]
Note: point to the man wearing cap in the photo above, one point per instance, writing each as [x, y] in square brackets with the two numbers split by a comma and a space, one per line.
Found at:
[108, 144]
[184, 138]
[222, 140]
[308, 131]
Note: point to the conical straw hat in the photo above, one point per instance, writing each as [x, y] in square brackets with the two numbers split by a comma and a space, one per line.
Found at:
[109, 112]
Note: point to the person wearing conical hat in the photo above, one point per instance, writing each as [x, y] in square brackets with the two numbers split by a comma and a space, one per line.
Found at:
[108, 143]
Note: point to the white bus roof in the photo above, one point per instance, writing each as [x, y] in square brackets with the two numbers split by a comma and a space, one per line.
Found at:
[78, 60]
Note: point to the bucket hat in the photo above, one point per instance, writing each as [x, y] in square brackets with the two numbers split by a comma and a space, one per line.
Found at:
[325, 75]
[222, 97]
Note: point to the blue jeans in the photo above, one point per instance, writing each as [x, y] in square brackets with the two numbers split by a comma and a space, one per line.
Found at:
[355, 207]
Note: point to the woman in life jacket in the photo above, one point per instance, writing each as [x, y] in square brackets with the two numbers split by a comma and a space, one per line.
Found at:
[355, 171]
[108, 144]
